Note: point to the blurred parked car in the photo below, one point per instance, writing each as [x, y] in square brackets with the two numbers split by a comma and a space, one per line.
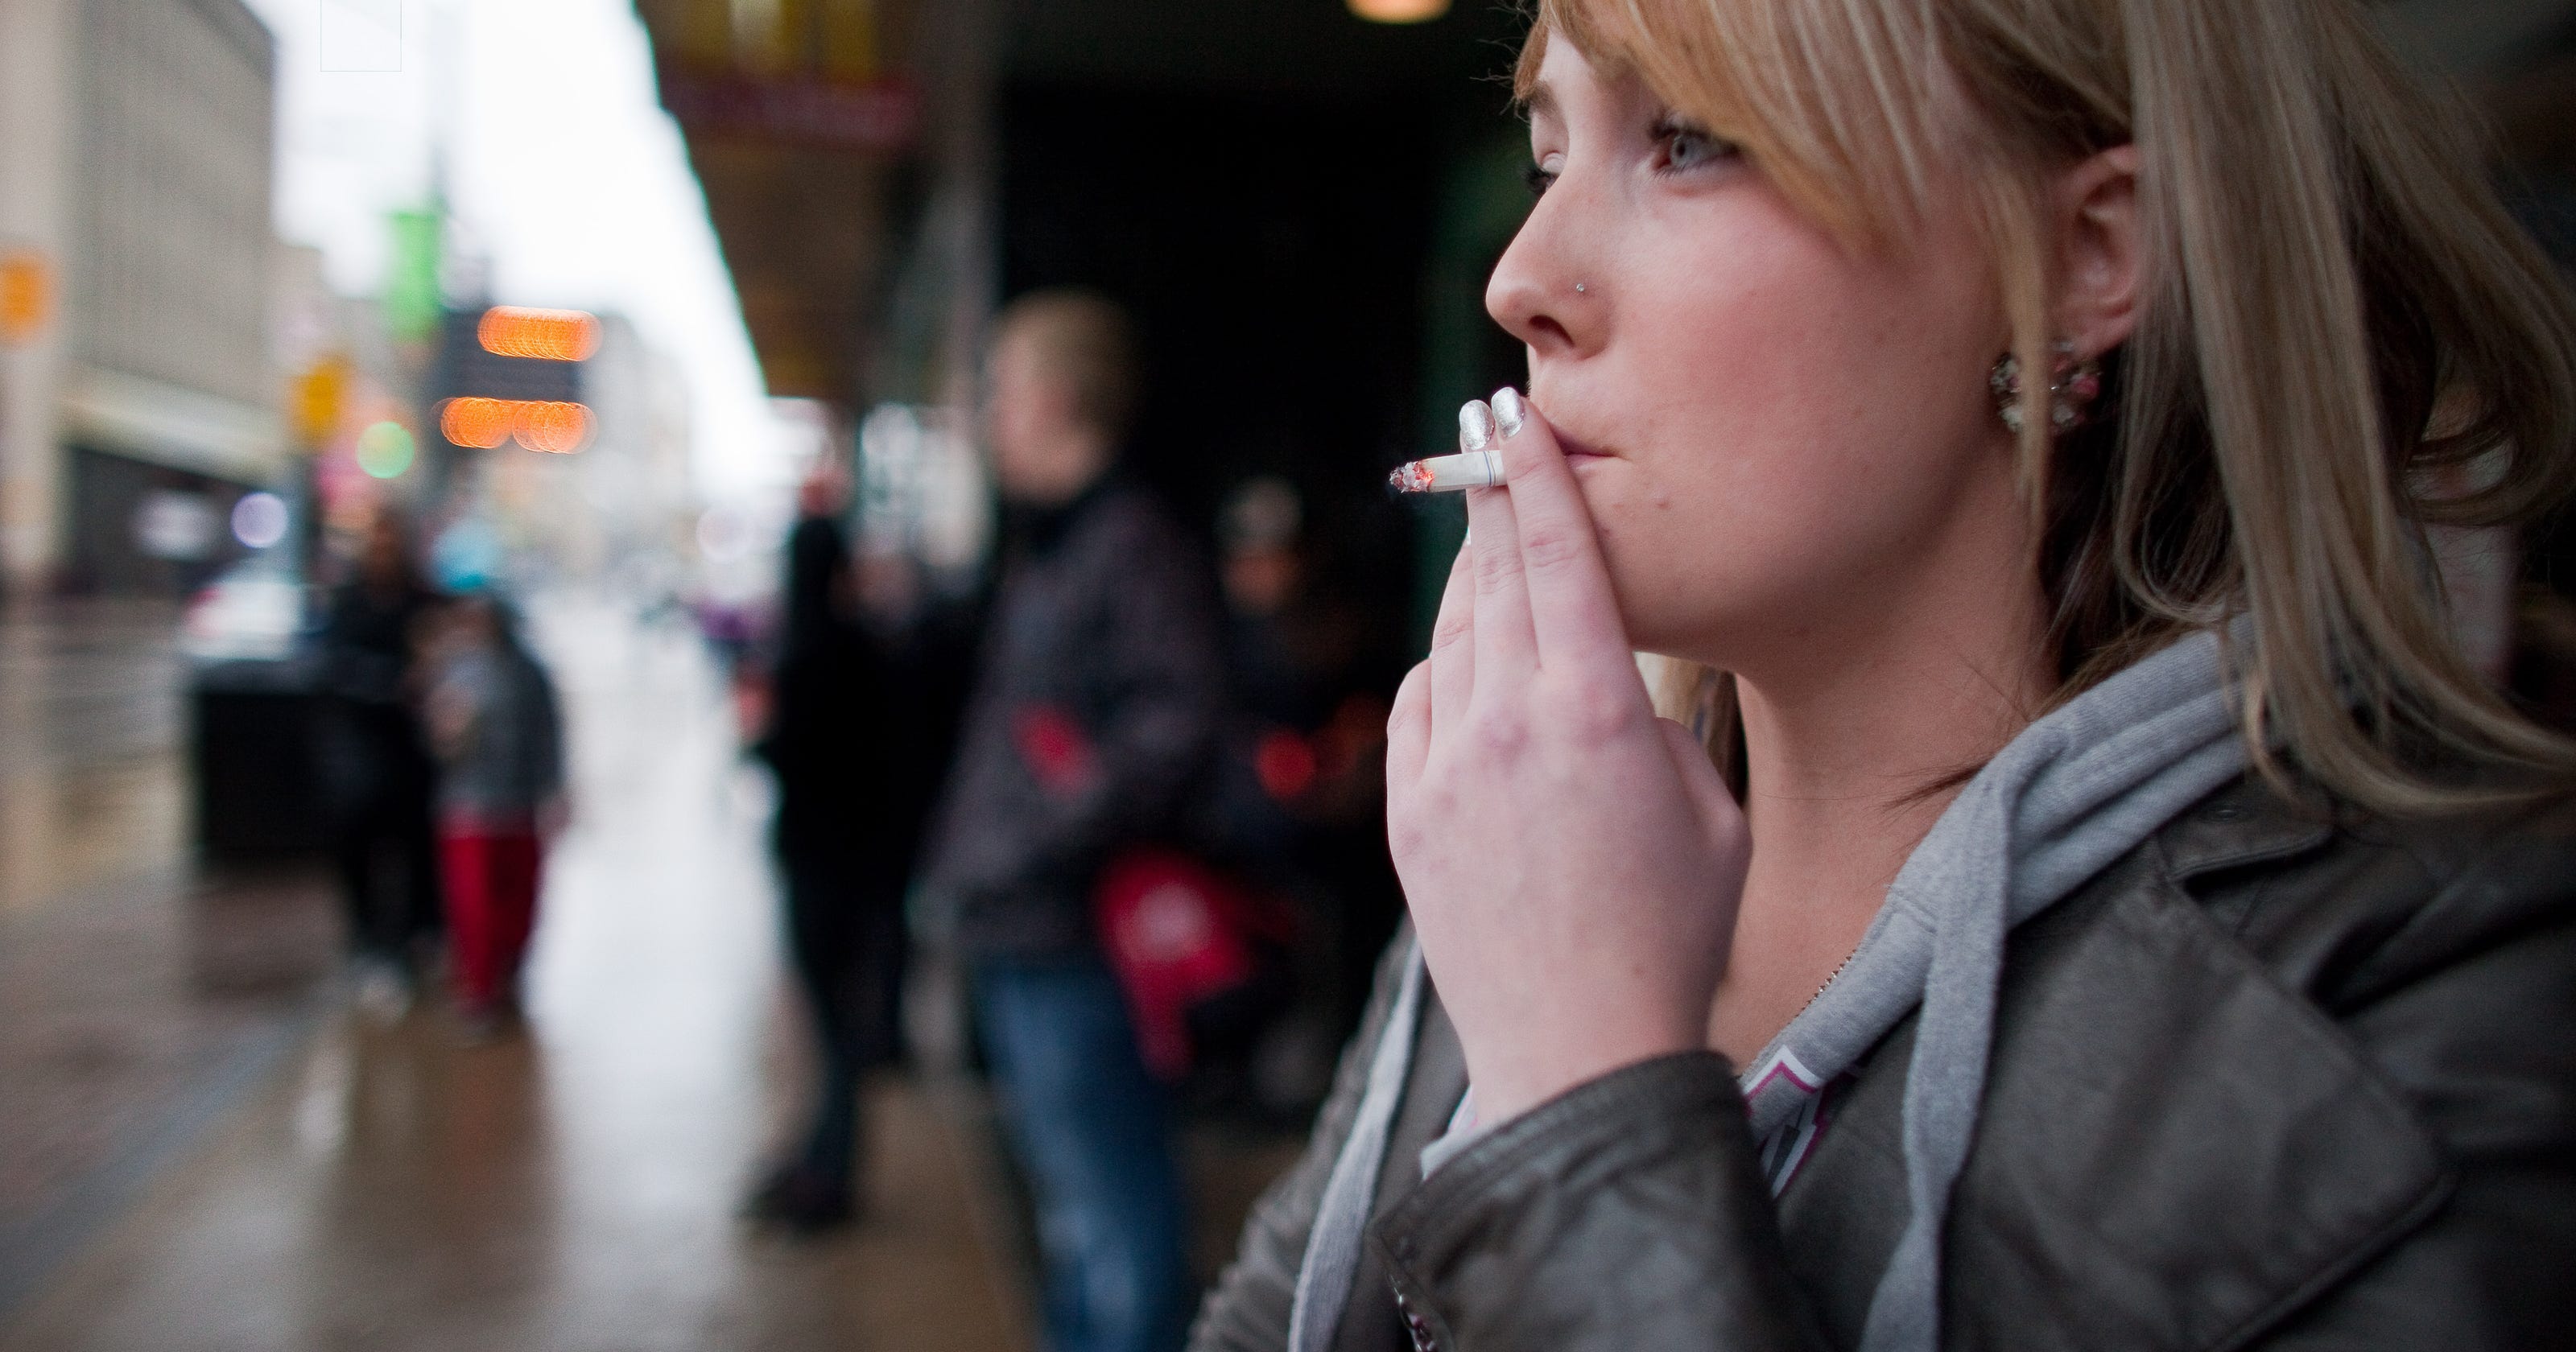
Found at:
[255, 611]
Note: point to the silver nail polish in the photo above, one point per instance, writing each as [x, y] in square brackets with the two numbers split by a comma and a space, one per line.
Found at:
[1475, 425]
[1508, 413]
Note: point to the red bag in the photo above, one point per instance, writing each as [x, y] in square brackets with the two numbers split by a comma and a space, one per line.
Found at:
[1177, 934]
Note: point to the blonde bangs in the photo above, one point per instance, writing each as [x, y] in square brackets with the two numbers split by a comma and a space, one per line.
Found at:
[1838, 103]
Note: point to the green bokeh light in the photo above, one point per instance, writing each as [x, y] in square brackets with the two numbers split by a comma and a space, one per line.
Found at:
[385, 450]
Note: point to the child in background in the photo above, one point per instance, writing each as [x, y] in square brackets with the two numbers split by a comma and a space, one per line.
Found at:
[494, 725]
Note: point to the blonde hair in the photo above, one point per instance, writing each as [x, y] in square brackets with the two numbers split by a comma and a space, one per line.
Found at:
[1084, 339]
[2342, 327]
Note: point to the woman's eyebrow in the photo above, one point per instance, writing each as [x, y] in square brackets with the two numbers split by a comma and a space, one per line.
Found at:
[1540, 102]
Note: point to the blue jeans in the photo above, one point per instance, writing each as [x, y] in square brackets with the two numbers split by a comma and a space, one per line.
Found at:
[1088, 1122]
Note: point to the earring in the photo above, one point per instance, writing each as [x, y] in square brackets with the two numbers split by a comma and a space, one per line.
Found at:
[2072, 387]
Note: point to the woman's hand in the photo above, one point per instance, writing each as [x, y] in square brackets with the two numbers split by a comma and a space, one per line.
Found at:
[1571, 860]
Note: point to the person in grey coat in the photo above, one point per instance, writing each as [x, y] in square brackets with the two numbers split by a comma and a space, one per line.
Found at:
[497, 729]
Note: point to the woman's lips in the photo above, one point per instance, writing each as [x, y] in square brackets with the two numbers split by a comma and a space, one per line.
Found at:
[1576, 448]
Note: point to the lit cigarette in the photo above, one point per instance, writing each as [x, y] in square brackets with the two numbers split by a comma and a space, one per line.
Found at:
[1449, 473]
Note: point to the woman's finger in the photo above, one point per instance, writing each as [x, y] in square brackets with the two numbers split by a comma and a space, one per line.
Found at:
[1506, 648]
[1574, 614]
[1408, 729]
[1453, 656]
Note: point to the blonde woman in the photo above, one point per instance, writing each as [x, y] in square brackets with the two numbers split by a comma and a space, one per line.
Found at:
[2084, 901]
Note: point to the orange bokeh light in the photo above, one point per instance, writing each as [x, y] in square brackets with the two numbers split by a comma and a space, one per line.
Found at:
[560, 428]
[546, 335]
[484, 423]
[556, 427]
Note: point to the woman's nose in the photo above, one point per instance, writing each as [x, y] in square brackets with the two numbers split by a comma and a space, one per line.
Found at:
[1535, 292]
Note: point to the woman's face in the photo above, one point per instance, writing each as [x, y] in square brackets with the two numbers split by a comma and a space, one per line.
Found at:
[1780, 436]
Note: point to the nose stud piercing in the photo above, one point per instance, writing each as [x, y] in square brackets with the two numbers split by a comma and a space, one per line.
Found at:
[1578, 288]
[2072, 388]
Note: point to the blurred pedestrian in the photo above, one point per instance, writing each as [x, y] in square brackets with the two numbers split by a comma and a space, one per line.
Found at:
[1303, 792]
[496, 727]
[376, 769]
[839, 739]
[1094, 716]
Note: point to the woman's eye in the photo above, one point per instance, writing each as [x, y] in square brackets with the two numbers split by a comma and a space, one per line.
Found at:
[1681, 147]
[1539, 178]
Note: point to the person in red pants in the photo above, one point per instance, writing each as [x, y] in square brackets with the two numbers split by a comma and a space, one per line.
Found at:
[496, 727]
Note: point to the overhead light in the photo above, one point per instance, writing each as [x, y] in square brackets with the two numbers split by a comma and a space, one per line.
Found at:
[1399, 11]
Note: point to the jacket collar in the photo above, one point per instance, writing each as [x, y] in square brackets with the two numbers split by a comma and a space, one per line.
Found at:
[2246, 822]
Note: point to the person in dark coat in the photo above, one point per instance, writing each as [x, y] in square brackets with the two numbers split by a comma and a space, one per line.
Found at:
[837, 740]
[1093, 724]
[377, 772]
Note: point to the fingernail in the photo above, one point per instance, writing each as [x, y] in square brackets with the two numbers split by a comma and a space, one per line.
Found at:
[1475, 425]
[1508, 413]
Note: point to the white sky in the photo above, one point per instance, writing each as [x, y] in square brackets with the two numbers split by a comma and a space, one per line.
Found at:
[561, 167]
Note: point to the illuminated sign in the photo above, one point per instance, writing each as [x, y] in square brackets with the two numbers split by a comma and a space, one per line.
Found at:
[320, 395]
[479, 355]
[26, 295]
[545, 335]
[556, 426]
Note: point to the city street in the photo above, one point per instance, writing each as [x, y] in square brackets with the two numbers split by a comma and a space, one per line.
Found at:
[746, 674]
[208, 1148]
[136, 998]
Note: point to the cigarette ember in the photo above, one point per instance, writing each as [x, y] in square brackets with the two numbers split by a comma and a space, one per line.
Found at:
[1448, 473]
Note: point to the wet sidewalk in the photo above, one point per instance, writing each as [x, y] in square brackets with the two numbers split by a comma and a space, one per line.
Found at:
[137, 1001]
[316, 1178]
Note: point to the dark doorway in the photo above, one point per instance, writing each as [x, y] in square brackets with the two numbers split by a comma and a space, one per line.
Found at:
[1272, 253]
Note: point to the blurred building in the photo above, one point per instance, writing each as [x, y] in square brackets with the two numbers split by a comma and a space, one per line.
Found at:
[806, 122]
[137, 398]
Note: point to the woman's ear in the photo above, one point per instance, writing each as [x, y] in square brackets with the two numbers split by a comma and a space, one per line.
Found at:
[2099, 255]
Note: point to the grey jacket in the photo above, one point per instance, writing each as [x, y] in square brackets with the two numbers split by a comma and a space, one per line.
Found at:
[1097, 701]
[2278, 1077]
[510, 759]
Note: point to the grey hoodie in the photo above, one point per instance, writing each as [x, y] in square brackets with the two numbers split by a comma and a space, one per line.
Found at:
[2075, 791]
